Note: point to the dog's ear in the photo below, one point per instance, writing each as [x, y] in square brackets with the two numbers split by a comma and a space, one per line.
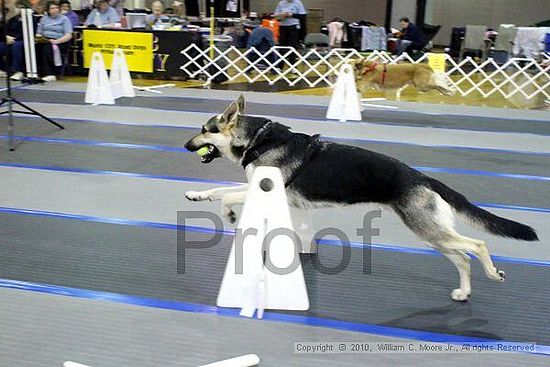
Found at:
[241, 103]
[234, 110]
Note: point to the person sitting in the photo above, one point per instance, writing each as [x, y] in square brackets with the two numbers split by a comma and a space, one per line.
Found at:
[411, 37]
[14, 41]
[103, 15]
[53, 35]
[66, 10]
[157, 7]
[262, 39]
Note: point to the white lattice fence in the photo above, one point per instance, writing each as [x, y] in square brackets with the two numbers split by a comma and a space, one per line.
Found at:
[526, 77]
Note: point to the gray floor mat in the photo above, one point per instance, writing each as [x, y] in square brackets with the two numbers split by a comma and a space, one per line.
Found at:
[406, 118]
[105, 334]
[476, 188]
[529, 164]
[404, 290]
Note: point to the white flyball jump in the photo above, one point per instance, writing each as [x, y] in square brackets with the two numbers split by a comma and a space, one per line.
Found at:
[120, 78]
[251, 281]
[98, 90]
[248, 360]
[101, 88]
[345, 104]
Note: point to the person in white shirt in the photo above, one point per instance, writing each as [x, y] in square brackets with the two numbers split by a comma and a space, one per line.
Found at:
[289, 28]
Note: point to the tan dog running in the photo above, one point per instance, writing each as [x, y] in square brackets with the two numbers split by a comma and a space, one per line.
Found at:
[369, 74]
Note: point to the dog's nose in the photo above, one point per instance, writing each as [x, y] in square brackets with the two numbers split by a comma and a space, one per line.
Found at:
[188, 146]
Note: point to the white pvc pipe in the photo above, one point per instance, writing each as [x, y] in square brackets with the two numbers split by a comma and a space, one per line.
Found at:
[73, 364]
[248, 360]
[28, 41]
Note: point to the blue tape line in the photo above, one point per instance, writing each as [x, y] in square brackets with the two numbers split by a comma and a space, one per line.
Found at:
[118, 173]
[268, 316]
[109, 220]
[475, 149]
[205, 230]
[512, 207]
[96, 143]
[217, 182]
[427, 251]
[117, 123]
[445, 170]
[462, 171]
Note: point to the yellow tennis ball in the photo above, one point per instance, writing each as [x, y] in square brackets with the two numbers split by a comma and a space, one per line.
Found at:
[203, 151]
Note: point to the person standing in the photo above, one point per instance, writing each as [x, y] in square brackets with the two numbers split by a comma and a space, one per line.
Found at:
[289, 28]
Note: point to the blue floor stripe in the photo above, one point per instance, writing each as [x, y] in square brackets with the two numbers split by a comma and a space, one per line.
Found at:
[117, 173]
[512, 207]
[385, 331]
[94, 143]
[456, 171]
[462, 171]
[229, 232]
[359, 140]
[454, 147]
[216, 182]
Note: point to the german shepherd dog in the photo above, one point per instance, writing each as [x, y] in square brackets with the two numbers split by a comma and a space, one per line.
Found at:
[322, 174]
[370, 74]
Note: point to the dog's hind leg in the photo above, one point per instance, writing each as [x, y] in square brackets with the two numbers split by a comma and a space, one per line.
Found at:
[478, 248]
[214, 194]
[462, 262]
[442, 83]
[432, 219]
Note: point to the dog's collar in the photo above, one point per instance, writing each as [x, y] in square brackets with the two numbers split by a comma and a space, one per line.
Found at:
[373, 67]
[255, 148]
[262, 130]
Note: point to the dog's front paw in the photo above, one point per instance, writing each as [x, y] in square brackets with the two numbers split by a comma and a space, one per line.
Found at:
[196, 195]
[229, 215]
[498, 275]
[460, 295]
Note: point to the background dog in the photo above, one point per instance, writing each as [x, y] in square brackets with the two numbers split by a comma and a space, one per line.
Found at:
[369, 74]
[320, 174]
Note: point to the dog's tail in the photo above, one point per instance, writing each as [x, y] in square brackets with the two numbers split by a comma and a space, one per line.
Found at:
[482, 218]
[442, 81]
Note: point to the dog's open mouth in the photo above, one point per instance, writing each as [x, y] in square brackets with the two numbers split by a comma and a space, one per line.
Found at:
[211, 154]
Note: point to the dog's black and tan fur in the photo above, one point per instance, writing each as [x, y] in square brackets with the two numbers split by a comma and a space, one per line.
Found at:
[320, 174]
